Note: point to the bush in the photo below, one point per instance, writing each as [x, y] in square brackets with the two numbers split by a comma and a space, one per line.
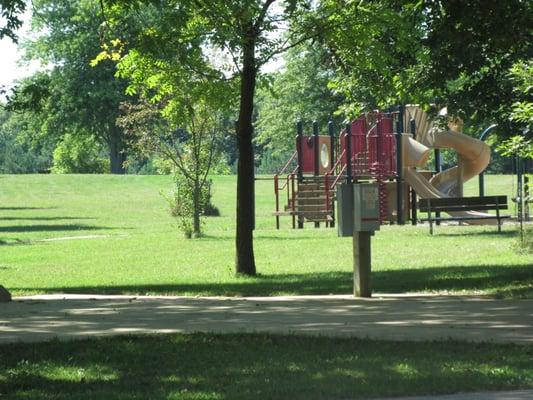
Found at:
[78, 155]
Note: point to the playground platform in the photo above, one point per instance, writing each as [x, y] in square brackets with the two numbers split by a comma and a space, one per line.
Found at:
[388, 317]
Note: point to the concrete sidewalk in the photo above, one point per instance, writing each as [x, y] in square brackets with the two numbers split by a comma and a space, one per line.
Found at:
[513, 395]
[389, 317]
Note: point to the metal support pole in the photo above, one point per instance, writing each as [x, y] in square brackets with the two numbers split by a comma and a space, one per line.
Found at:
[527, 199]
[299, 133]
[361, 264]
[482, 184]
[299, 139]
[481, 175]
[349, 172]
[317, 150]
[412, 128]
[331, 133]
[317, 157]
[438, 170]
[399, 167]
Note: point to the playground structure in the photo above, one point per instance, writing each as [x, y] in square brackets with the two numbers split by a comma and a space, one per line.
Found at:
[389, 148]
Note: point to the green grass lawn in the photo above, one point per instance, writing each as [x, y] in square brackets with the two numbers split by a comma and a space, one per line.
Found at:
[113, 234]
[204, 366]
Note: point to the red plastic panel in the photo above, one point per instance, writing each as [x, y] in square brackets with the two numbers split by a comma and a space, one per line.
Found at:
[307, 151]
[308, 154]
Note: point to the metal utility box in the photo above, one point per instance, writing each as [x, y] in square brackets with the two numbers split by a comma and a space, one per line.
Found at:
[357, 208]
[344, 210]
[366, 207]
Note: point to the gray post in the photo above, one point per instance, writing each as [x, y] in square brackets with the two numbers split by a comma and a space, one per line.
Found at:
[361, 264]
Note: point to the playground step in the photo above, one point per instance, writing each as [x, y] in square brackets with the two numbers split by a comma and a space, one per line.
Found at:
[312, 200]
[312, 193]
[309, 187]
[311, 207]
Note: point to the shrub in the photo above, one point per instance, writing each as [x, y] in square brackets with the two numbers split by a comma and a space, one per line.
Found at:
[78, 155]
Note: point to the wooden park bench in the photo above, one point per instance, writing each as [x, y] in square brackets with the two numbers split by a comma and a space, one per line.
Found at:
[433, 207]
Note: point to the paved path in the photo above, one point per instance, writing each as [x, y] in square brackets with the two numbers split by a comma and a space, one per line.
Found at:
[40, 318]
[514, 395]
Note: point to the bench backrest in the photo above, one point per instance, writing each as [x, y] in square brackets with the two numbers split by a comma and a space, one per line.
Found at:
[481, 203]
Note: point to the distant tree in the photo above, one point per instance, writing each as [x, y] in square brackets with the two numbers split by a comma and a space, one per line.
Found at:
[299, 91]
[72, 96]
[187, 141]
[18, 153]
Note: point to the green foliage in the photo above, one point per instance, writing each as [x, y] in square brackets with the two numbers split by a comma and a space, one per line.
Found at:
[188, 153]
[516, 146]
[78, 155]
[10, 20]
[521, 75]
[299, 91]
[18, 155]
[524, 242]
[456, 53]
[182, 204]
[377, 51]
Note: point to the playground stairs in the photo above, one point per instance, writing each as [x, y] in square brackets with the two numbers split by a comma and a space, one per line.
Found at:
[310, 201]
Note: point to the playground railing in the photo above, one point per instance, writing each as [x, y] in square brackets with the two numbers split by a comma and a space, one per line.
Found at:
[327, 187]
[291, 190]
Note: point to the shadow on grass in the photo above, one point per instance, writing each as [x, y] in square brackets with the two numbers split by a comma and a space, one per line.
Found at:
[255, 366]
[43, 218]
[25, 208]
[52, 228]
[504, 282]
[470, 233]
[230, 236]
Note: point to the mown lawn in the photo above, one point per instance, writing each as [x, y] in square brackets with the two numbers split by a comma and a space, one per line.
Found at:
[207, 366]
[113, 234]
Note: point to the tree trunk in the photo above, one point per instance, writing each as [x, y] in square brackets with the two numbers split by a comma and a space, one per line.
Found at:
[196, 210]
[244, 260]
[117, 155]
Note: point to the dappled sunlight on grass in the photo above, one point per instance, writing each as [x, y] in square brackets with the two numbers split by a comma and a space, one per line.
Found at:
[256, 366]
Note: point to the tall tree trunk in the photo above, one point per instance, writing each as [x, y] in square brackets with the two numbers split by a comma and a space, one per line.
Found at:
[117, 155]
[244, 260]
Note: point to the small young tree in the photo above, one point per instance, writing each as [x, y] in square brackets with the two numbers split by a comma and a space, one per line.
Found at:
[190, 149]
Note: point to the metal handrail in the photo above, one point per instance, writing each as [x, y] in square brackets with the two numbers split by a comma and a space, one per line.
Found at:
[288, 163]
[330, 172]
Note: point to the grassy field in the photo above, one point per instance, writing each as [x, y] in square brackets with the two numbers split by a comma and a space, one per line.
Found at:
[219, 367]
[113, 234]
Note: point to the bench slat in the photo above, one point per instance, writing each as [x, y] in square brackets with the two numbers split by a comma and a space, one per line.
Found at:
[463, 218]
[485, 207]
